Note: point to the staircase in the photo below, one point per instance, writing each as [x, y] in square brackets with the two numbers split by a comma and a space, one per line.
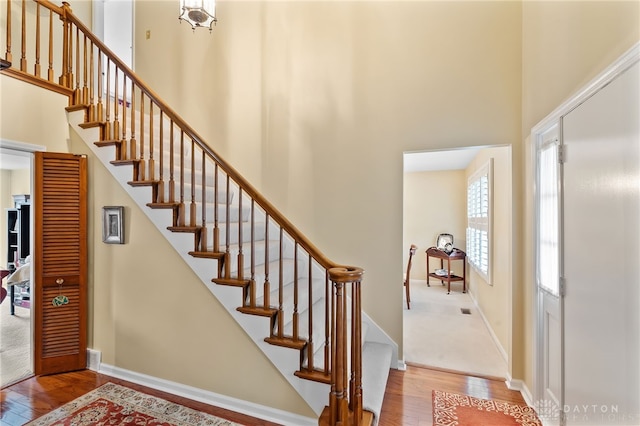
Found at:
[301, 309]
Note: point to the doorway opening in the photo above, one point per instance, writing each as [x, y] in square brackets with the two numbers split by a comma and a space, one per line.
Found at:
[458, 331]
[16, 326]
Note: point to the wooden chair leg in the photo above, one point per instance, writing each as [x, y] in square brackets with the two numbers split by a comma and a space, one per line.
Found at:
[408, 297]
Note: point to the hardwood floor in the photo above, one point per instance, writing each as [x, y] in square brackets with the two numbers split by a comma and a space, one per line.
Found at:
[34, 397]
[407, 398]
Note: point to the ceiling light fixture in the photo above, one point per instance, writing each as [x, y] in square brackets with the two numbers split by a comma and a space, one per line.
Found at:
[198, 13]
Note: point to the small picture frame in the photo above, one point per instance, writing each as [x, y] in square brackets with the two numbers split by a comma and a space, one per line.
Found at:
[113, 224]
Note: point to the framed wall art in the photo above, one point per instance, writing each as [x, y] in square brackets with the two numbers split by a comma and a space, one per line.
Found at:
[113, 224]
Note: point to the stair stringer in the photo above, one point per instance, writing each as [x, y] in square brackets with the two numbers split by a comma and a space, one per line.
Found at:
[284, 359]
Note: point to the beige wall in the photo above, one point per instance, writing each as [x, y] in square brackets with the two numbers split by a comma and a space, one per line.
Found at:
[21, 122]
[494, 298]
[434, 203]
[21, 182]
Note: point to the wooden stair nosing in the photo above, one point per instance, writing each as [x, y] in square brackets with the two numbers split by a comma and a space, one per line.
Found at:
[259, 311]
[207, 254]
[287, 342]
[108, 142]
[143, 182]
[172, 205]
[233, 282]
[91, 124]
[314, 375]
[185, 229]
[128, 162]
[78, 107]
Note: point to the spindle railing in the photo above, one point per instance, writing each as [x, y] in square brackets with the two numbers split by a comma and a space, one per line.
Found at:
[281, 273]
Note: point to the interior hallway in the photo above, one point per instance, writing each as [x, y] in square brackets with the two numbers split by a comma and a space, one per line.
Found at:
[438, 334]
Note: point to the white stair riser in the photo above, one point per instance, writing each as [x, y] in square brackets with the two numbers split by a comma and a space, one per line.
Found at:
[197, 195]
[259, 252]
[318, 325]
[274, 274]
[317, 293]
[234, 213]
[259, 233]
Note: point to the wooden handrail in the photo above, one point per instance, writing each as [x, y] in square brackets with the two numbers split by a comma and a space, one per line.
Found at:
[132, 117]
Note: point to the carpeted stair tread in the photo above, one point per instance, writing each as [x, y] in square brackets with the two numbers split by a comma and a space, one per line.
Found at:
[376, 361]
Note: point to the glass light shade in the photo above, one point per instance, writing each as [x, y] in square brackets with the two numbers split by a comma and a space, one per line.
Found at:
[198, 13]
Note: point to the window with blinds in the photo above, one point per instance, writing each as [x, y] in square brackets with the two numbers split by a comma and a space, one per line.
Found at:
[479, 202]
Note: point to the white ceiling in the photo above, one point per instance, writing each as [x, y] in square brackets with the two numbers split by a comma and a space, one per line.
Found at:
[457, 159]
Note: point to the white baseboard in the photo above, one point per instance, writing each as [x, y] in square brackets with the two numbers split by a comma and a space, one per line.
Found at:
[401, 365]
[200, 395]
[519, 385]
[513, 384]
[503, 353]
[93, 359]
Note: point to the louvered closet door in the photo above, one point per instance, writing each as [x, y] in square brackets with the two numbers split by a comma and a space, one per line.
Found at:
[60, 290]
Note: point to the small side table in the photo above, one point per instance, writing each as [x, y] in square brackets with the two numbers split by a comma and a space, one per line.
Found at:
[442, 255]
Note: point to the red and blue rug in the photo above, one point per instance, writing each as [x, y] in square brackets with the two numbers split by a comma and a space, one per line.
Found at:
[112, 404]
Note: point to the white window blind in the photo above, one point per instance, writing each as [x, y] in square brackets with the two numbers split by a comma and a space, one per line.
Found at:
[479, 206]
[548, 231]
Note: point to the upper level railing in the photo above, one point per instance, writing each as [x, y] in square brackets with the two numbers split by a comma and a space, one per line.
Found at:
[283, 274]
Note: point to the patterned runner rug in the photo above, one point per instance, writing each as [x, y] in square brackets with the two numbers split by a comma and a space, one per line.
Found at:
[452, 409]
[113, 404]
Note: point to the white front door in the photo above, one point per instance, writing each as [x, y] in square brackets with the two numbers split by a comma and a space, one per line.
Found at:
[602, 255]
[548, 271]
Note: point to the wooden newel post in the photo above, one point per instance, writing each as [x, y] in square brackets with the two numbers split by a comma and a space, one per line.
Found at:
[345, 397]
[67, 36]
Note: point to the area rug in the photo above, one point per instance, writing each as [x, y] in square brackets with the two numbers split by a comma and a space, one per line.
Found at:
[113, 404]
[452, 409]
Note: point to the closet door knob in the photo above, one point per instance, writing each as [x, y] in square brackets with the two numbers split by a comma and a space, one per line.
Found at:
[59, 281]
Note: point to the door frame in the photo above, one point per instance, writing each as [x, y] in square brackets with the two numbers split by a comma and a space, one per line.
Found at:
[618, 67]
[547, 303]
[23, 148]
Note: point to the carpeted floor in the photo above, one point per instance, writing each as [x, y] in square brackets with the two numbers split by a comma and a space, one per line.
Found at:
[113, 404]
[437, 333]
[15, 358]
